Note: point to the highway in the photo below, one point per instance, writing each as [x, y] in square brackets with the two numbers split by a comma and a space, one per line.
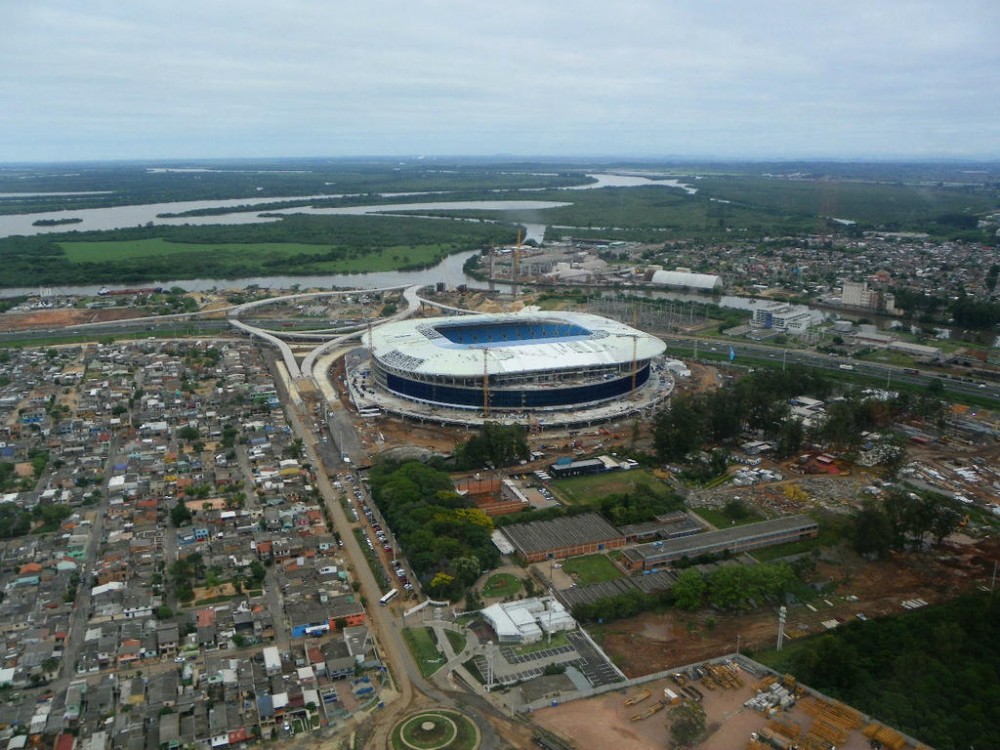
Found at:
[716, 352]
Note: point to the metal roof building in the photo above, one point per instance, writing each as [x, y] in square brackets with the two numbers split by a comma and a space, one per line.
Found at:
[704, 282]
[734, 540]
[513, 361]
[563, 537]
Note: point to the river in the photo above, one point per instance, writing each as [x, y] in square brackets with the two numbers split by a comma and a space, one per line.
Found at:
[448, 271]
[118, 217]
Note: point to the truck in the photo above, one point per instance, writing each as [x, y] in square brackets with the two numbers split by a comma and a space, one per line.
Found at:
[847, 367]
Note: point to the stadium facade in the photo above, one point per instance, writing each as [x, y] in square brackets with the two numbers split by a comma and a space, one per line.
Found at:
[512, 362]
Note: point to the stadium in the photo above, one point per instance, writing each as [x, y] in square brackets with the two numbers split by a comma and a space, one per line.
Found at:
[511, 363]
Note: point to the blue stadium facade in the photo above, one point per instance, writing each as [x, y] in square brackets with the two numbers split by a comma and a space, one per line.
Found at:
[530, 361]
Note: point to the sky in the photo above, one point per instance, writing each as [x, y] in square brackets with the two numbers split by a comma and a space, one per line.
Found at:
[724, 79]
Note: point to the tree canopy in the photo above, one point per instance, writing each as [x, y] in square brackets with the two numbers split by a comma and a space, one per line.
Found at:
[933, 673]
[447, 541]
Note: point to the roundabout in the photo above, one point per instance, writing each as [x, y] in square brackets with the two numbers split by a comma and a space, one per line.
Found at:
[435, 730]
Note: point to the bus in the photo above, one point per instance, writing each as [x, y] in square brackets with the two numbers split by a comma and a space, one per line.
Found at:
[388, 597]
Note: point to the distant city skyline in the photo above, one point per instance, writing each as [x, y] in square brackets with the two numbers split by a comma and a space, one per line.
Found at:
[772, 79]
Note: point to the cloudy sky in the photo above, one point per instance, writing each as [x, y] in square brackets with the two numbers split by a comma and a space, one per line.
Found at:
[135, 79]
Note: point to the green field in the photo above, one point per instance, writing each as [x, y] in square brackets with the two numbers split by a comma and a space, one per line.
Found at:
[425, 652]
[591, 569]
[585, 490]
[457, 641]
[720, 520]
[831, 533]
[151, 250]
[501, 585]
[557, 640]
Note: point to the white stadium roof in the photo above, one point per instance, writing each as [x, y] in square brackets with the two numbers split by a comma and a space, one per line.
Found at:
[417, 346]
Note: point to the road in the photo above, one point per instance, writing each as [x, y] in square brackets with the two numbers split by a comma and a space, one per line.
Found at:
[384, 629]
[413, 691]
[686, 347]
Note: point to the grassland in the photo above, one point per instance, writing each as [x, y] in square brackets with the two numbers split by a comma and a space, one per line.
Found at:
[585, 490]
[591, 569]
[831, 533]
[425, 652]
[158, 248]
[501, 585]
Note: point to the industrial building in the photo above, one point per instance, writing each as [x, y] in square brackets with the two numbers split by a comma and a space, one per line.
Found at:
[733, 540]
[563, 537]
[526, 621]
[682, 278]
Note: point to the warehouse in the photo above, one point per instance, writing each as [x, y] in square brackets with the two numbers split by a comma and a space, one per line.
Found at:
[563, 537]
[733, 540]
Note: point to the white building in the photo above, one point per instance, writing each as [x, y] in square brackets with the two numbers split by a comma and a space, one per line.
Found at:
[528, 620]
[781, 317]
[684, 279]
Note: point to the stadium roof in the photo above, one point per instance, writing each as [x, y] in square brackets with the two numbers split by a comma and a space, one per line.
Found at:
[434, 346]
[704, 281]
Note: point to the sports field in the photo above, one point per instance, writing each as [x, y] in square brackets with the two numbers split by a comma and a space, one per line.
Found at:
[585, 490]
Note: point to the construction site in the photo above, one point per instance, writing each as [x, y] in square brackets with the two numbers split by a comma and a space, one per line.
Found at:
[744, 706]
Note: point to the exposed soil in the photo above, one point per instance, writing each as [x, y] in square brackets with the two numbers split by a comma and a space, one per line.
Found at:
[606, 722]
[656, 642]
[62, 318]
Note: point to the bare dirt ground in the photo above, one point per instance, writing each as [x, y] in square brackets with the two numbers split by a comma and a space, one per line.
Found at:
[606, 722]
[62, 318]
[656, 642]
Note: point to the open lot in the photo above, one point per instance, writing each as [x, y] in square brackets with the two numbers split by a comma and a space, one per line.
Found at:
[606, 722]
[655, 642]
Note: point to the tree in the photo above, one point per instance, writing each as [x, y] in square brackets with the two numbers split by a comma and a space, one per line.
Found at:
[871, 532]
[689, 590]
[180, 515]
[496, 445]
[188, 433]
[677, 431]
[687, 724]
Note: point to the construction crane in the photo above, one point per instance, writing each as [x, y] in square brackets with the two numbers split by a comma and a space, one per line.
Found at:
[515, 265]
[635, 363]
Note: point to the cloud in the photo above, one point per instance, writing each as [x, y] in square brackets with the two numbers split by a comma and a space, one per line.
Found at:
[770, 78]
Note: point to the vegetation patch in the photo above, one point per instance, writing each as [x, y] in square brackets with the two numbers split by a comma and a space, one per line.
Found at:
[586, 490]
[591, 569]
[722, 520]
[424, 649]
[934, 673]
[435, 730]
[501, 585]
[558, 640]
[457, 641]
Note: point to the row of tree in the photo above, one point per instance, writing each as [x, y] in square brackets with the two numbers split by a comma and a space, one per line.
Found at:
[447, 541]
[759, 404]
[904, 520]
[733, 587]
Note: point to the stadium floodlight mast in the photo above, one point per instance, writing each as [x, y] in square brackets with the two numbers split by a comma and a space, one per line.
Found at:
[782, 613]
